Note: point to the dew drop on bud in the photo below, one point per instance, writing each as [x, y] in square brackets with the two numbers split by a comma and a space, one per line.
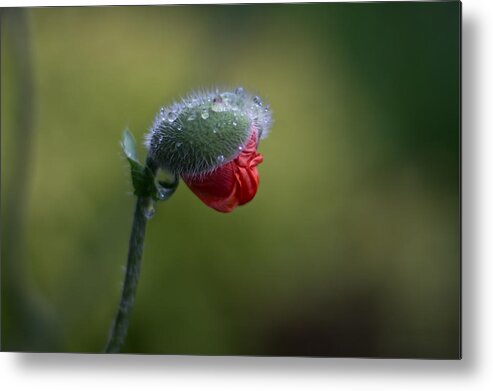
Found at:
[257, 101]
[240, 148]
[239, 91]
[178, 145]
[234, 123]
[162, 194]
[220, 159]
[191, 117]
[218, 104]
[149, 211]
[172, 116]
[205, 114]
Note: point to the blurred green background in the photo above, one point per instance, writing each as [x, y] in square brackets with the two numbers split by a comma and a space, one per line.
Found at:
[352, 244]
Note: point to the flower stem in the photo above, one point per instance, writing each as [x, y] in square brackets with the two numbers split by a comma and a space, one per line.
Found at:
[134, 260]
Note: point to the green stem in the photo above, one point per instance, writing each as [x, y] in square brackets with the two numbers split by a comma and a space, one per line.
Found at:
[134, 260]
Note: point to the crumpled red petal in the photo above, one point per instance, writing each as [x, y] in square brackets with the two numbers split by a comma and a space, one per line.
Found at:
[233, 184]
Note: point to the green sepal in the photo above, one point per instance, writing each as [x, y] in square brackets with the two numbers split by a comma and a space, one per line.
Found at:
[128, 145]
[142, 177]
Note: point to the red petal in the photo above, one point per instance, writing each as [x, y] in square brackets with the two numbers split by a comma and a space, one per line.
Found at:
[232, 184]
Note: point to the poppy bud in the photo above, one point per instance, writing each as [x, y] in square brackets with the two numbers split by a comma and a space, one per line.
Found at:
[211, 140]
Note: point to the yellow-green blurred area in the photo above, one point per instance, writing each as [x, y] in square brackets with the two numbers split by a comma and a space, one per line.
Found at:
[351, 246]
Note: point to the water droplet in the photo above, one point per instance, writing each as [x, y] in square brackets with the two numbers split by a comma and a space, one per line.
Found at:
[240, 148]
[205, 114]
[214, 131]
[239, 91]
[162, 194]
[234, 123]
[219, 104]
[219, 107]
[220, 159]
[178, 127]
[161, 138]
[162, 111]
[257, 101]
[149, 211]
[178, 144]
[191, 117]
[172, 116]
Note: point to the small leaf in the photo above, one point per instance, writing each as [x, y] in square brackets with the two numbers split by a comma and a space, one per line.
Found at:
[142, 177]
[128, 145]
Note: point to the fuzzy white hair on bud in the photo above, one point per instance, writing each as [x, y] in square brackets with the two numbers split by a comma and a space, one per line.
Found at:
[206, 130]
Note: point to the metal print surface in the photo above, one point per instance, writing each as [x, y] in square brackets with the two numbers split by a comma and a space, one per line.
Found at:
[338, 235]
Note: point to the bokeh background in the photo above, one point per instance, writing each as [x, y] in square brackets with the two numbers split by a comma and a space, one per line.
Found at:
[352, 244]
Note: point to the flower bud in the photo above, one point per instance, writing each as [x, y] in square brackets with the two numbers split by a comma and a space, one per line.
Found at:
[211, 140]
[206, 130]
